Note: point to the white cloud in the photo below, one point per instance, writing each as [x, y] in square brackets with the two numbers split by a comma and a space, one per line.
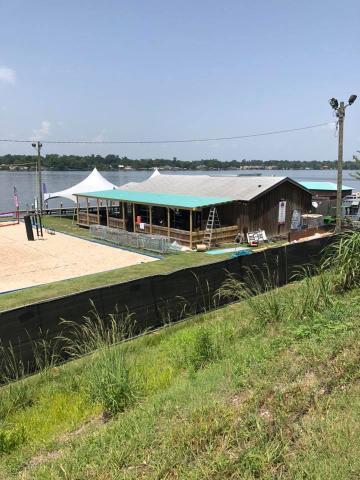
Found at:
[7, 75]
[42, 132]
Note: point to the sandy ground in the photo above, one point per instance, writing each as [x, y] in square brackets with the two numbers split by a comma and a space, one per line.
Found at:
[55, 257]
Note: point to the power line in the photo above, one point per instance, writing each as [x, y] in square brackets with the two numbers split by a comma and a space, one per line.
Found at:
[192, 140]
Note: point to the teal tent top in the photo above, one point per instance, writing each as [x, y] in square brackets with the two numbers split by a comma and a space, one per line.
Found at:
[330, 186]
[160, 199]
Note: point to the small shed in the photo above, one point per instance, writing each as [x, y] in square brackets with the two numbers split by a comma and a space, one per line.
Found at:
[324, 196]
[325, 190]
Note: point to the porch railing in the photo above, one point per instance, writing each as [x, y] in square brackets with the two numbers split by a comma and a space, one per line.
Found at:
[220, 235]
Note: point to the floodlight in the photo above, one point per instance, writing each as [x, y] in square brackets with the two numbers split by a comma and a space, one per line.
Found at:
[352, 99]
[334, 103]
[33, 145]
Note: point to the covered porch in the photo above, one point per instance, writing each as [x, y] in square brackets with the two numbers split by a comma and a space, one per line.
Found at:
[181, 218]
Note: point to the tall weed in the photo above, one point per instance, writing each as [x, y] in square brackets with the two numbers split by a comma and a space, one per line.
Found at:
[342, 259]
[11, 438]
[11, 365]
[312, 293]
[203, 349]
[261, 289]
[95, 332]
[14, 397]
[109, 381]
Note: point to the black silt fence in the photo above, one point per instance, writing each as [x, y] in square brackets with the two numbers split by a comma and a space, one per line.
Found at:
[152, 301]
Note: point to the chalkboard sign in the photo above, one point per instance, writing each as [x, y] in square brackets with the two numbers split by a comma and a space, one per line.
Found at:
[296, 220]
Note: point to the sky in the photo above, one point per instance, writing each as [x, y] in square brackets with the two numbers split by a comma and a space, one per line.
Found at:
[156, 70]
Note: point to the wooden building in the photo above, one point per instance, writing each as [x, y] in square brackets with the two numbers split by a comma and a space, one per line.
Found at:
[324, 196]
[321, 190]
[182, 208]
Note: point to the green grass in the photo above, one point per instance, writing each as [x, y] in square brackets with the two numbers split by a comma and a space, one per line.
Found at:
[65, 225]
[222, 395]
[168, 264]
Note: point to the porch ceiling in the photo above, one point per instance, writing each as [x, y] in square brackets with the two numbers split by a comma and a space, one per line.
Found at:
[157, 199]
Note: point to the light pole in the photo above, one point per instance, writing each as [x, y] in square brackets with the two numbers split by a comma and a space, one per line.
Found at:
[38, 146]
[340, 113]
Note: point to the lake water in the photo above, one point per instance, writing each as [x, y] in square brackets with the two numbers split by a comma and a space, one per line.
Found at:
[25, 181]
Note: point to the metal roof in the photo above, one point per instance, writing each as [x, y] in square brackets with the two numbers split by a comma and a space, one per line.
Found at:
[237, 188]
[329, 186]
[162, 199]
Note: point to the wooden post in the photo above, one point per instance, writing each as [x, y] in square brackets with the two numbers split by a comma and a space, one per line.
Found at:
[191, 226]
[134, 220]
[77, 208]
[98, 211]
[150, 218]
[123, 214]
[87, 210]
[107, 213]
[168, 220]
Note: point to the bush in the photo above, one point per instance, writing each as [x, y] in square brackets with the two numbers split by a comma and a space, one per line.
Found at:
[110, 383]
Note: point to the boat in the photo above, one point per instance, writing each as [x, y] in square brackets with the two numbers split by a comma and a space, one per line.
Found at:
[249, 174]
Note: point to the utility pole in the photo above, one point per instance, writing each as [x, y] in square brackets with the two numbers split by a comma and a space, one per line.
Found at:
[38, 146]
[341, 116]
[340, 113]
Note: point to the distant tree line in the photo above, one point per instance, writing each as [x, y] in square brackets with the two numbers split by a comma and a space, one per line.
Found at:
[114, 162]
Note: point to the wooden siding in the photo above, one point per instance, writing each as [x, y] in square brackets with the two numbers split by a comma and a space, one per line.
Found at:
[264, 211]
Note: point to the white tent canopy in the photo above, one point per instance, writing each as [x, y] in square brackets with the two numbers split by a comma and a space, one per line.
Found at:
[95, 182]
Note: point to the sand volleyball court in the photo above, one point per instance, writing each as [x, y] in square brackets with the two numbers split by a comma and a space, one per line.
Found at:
[55, 257]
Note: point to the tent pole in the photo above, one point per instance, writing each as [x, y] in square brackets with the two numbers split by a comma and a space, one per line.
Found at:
[107, 213]
[191, 226]
[134, 222]
[98, 211]
[168, 220]
[150, 217]
[123, 214]
[87, 211]
[77, 209]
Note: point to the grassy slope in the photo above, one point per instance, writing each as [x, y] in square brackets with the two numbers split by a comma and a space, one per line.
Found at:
[169, 263]
[275, 400]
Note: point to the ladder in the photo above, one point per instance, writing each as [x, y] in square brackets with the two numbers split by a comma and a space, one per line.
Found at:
[213, 222]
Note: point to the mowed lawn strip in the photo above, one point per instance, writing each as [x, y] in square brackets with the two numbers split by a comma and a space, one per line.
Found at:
[167, 264]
